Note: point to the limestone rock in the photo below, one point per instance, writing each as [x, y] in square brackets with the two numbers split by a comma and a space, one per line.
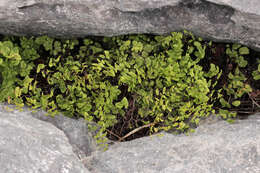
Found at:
[219, 20]
[31, 145]
[216, 147]
[32, 142]
[77, 132]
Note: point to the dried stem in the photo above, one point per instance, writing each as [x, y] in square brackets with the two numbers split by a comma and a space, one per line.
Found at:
[135, 130]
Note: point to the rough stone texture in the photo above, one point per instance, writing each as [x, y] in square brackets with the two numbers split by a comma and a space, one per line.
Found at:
[79, 136]
[30, 142]
[214, 148]
[29, 145]
[218, 20]
[76, 131]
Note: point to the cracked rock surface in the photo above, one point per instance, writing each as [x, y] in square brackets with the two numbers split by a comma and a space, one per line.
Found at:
[31, 142]
[29, 145]
[218, 20]
[214, 148]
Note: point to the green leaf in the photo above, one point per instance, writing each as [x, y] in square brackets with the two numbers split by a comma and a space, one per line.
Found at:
[257, 77]
[223, 113]
[230, 76]
[51, 64]
[17, 92]
[214, 70]
[87, 42]
[241, 61]
[243, 51]
[123, 103]
[137, 46]
[45, 41]
[224, 103]
[256, 73]
[200, 53]
[44, 101]
[236, 46]
[39, 67]
[57, 48]
[236, 103]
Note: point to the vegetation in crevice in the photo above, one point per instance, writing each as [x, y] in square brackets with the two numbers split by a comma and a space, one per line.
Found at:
[131, 85]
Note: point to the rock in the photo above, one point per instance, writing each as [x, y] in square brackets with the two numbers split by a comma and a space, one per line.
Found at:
[218, 20]
[77, 132]
[33, 142]
[216, 147]
[79, 136]
[31, 145]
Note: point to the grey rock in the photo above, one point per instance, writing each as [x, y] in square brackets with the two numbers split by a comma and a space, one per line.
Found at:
[79, 136]
[214, 148]
[76, 130]
[219, 20]
[33, 142]
[29, 145]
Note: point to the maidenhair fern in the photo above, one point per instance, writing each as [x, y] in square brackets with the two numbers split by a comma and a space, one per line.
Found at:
[101, 80]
